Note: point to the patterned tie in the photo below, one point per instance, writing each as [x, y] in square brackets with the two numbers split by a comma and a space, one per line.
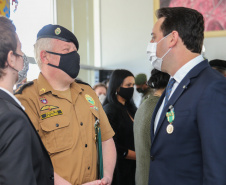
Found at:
[169, 89]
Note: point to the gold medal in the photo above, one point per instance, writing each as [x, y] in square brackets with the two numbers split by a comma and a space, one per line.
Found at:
[169, 129]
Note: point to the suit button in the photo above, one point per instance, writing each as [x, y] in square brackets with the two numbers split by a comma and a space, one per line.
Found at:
[81, 123]
[57, 125]
[86, 145]
[152, 158]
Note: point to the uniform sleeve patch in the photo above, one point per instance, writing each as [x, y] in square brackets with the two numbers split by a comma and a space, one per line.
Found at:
[90, 99]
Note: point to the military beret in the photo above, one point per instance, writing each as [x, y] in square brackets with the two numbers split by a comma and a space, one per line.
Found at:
[140, 79]
[218, 63]
[57, 32]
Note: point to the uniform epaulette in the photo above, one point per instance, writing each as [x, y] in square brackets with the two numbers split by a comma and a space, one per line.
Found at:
[81, 82]
[22, 87]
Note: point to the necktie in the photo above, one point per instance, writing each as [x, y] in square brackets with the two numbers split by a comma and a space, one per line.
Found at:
[169, 89]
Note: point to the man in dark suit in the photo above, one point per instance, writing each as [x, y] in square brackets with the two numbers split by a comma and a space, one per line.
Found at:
[23, 158]
[188, 127]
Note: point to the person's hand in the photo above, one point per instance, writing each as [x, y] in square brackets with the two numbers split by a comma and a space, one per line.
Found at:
[96, 182]
[106, 181]
[58, 180]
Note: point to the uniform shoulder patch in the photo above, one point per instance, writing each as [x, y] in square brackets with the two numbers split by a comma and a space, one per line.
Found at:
[22, 87]
[81, 82]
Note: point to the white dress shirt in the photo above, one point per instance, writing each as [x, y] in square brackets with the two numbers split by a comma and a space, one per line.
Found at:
[14, 97]
[179, 76]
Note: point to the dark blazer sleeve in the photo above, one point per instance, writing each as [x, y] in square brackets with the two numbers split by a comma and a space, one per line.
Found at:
[212, 127]
[15, 150]
[113, 113]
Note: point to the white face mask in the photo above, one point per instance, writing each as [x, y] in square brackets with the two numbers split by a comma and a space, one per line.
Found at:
[102, 98]
[151, 51]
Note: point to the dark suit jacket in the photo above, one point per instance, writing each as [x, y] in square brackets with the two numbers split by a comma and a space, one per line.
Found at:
[23, 158]
[195, 153]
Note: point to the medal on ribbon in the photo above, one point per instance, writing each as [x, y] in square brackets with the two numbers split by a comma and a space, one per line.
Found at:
[170, 117]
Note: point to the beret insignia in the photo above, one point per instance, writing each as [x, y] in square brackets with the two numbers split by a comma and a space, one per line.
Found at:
[57, 31]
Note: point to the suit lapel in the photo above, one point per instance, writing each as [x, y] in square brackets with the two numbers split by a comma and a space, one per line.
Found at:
[177, 93]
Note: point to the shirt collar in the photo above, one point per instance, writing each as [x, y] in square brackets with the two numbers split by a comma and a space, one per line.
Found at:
[14, 97]
[183, 71]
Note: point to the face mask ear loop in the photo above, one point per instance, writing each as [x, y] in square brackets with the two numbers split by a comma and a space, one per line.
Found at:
[168, 50]
[53, 65]
[12, 67]
[166, 53]
[163, 38]
[53, 54]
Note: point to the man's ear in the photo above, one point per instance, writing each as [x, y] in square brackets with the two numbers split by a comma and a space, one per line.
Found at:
[173, 38]
[44, 57]
[10, 59]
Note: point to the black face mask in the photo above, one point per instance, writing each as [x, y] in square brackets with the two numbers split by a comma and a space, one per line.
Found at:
[140, 90]
[126, 93]
[69, 63]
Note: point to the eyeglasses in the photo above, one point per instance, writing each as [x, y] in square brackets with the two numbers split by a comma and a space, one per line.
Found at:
[23, 56]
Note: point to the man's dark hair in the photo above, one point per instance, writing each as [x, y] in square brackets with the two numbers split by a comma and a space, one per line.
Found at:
[189, 24]
[158, 79]
[8, 41]
[219, 65]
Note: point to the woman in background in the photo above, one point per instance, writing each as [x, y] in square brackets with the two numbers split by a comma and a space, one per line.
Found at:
[142, 128]
[120, 110]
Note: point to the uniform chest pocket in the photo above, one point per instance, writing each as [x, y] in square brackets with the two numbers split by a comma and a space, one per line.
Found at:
[57, 134]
